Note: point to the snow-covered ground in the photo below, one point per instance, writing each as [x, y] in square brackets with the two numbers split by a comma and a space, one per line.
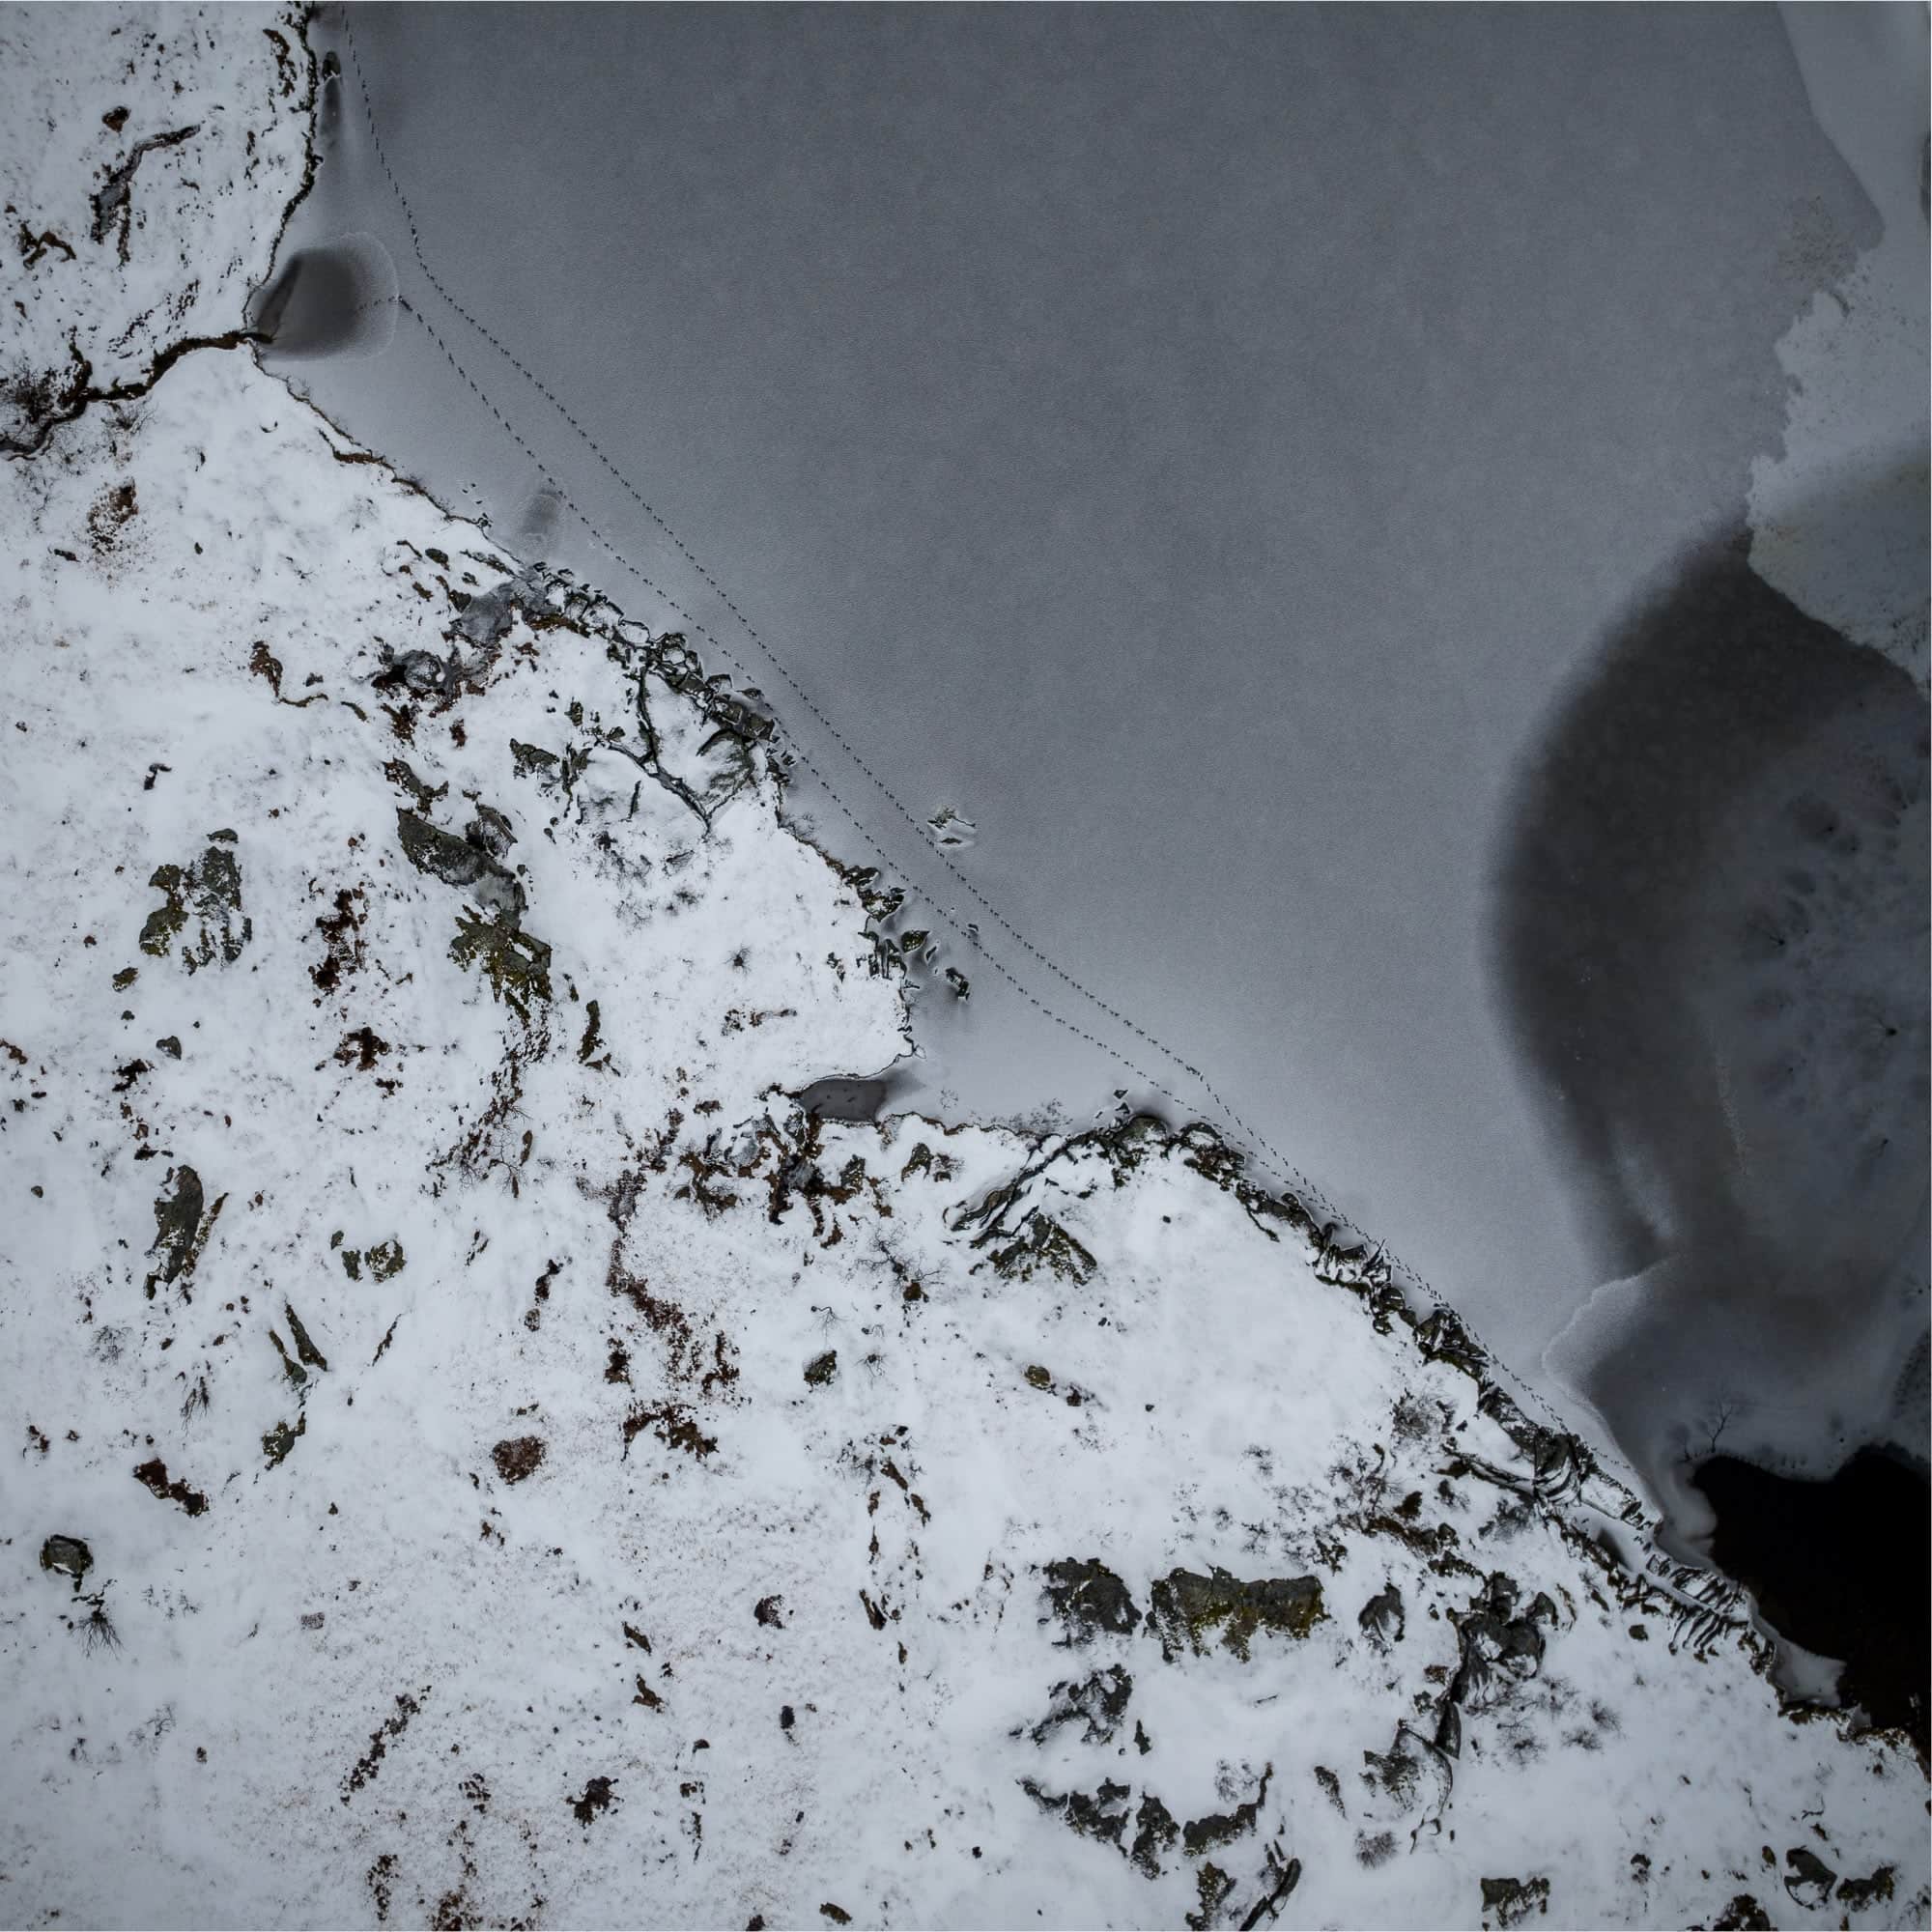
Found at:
[482, 1454]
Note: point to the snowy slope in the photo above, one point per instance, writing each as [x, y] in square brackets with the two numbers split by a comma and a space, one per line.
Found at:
[522, 1469]
[151, 156]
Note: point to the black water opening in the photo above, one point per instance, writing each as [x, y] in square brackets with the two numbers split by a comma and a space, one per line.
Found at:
[1843, 1567]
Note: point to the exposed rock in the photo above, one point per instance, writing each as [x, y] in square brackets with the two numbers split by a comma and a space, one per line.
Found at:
[463, 862]
[1088, 1599]
[1101, 1814]
[210, 891]
[1223, 1828]
[1807, 1878]
[1509, 1901]
[1099, 1700]
[70, 1555]
[1381, 1619]
[152, 1476]
[1154, 1832]
[519, 1458]
[1187, 1609]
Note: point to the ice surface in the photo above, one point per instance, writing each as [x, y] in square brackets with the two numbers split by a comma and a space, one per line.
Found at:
[1202, 444]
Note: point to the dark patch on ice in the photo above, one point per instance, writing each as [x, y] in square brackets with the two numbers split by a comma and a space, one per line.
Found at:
[1843, 1567]
[1709, 943]
[333, 301]
[850, 1096]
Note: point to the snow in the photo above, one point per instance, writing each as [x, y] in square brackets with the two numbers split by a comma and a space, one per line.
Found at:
[151, 157]
[1840, 530]
[378, 1675]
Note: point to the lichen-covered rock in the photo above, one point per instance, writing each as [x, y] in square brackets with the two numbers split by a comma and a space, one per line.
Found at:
[516, 964]
[1188, 1610]
[1860, 1894]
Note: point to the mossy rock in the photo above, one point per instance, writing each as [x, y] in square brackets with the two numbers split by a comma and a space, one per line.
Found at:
[1807, 1878]
[517, 964]
[1088, 1599]
[1045, 1246]
[821, 1369]
[1188, 1608]
[210, 891]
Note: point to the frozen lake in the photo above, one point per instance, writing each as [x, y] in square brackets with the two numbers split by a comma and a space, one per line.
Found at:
[1208, 449]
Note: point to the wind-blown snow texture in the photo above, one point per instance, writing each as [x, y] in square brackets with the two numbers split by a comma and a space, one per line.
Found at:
[482, 1454]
